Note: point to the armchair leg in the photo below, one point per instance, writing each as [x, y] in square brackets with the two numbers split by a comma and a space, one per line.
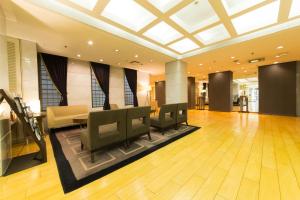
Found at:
[162, 130]
[149, 136]
[92, 157]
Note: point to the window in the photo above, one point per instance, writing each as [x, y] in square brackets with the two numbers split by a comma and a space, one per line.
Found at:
[98, 96]
[127, 93]
[49, 95]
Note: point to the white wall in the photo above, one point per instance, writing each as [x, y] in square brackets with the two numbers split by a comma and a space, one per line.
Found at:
[79, 85]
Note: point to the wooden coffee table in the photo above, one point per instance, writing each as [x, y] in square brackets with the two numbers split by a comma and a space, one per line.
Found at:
[82, 121]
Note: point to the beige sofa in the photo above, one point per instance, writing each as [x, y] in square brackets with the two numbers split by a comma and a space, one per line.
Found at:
[62, 116]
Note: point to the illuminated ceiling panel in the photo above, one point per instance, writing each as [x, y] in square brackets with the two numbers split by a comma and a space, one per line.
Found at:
[213, 35]
[196, 15]
[128, 13]
[184, 45]
[235, 6]
[257, 19]
[162, 33]
[164, 5]
[295, 9]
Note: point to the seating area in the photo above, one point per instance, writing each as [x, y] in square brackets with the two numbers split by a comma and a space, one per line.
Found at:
[116, 126]
[150, 99]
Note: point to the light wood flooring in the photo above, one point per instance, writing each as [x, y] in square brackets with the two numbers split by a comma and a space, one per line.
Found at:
[233, 156]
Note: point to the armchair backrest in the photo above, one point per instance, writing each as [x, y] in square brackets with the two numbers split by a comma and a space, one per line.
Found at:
[168, 108]
[182, 109]
[138, 113]
[96, 119]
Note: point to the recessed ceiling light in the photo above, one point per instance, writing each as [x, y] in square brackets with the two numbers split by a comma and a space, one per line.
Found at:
[184, 45]
[236, 6]
[90, 5]
[232, 57]
[158, 33]
[195, 16]
[200, 64]
[238, 63]
[164, 5]
[136, 56]
[277, 56]
[213, 35]
[117, 50]
[78, 55]
[257, 19]
[128, 13]
[90, 42]
[275, 62]
[279, 47]
[295, 8]
[101, 60]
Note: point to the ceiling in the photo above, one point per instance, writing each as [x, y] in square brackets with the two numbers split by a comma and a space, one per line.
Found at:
[204, 33]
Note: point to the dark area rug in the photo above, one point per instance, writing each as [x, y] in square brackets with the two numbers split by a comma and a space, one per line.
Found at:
[74, 165]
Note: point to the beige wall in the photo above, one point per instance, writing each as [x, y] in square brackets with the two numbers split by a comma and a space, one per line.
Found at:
[79, 84]
[30, 84]
[2, 23]
[298, 88]
[176, 82]
[4, 109]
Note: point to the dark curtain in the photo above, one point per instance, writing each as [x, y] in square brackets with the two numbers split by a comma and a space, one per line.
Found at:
[57, 67]
[131, 76]
[101, 72]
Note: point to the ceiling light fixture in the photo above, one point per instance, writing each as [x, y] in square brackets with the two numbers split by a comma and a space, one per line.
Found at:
[117, 50]
[78, 55]
[275, 62]
[256, 60]
[279, 47]
[136, 56]
[200, 64]
[232, 57]
[101, 60]
[90, 42]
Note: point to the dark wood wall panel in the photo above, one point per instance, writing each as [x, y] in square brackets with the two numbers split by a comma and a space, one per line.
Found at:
[220, 91]
[191, 92]
[160, 92]
[277, 89]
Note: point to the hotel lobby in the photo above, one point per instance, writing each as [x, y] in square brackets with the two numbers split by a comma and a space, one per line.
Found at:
[150, 99]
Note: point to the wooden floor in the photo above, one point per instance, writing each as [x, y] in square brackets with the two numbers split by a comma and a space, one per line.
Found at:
[233, 156]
